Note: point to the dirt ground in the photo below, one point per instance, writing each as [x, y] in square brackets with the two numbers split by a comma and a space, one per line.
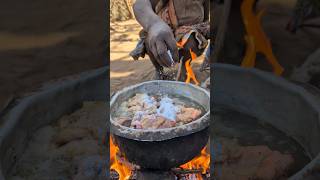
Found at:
[124, 70]
[46, 40]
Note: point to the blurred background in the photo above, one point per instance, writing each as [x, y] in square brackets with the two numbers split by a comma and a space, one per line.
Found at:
[124, 35]
[44, 41]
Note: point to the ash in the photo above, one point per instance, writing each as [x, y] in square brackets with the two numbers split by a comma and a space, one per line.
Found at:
[143, 111]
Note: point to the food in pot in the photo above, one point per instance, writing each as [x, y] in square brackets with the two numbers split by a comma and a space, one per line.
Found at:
[144, 111]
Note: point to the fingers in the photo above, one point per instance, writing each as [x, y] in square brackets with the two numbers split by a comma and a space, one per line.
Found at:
[163, 55]
[154, 60]
[172, 46]
[164, 49]
[155, 53]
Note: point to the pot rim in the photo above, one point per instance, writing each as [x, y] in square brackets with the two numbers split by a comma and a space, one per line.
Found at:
[159, 134]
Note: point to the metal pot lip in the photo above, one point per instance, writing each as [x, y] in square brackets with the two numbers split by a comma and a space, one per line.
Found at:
[159, 134]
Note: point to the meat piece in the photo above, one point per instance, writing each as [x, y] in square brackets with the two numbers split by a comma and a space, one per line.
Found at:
[274, 166]
[135, 108]
[70, 134]
[142, 100]
[82, 147]
[124, 121]
[138, 116]
[146, 124]
[123, 106]
[188, 115]
[158, 122]
[148, 121]
[251, 162]
[136, 125]
[195, 113]
[135, 101]
[167, 124]
[153, 112]
[184, 118]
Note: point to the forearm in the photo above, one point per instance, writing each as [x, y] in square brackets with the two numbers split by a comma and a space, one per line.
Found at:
[144, 13]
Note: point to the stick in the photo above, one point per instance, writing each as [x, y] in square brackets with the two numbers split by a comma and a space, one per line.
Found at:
[187, 171]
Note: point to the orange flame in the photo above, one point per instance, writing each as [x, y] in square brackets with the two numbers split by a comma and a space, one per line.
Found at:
[123, 170]
[200, 162]
[190, 73]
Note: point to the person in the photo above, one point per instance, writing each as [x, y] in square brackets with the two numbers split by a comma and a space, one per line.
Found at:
[166, 22]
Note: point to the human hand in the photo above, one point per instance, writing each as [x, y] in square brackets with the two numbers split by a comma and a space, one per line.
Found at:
[162, 44]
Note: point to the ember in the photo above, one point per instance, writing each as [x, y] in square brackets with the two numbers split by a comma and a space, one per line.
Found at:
[196, 169]
[201, 162]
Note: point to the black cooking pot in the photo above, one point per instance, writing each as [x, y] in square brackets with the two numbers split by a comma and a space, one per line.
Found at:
[162, 148]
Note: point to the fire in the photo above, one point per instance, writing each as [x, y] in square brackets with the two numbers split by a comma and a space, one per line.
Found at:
[116, 164]
[124, 170]
[200, 162]
[190, 73]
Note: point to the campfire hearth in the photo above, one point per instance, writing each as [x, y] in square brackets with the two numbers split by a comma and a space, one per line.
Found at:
[157, 153]
[174, 174]
[121, 169]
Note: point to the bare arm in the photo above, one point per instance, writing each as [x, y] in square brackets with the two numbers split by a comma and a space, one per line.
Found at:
[160, 37]
[144, 13]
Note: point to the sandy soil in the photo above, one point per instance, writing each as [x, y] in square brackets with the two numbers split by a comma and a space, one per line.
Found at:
[124, 70]
[46, 40]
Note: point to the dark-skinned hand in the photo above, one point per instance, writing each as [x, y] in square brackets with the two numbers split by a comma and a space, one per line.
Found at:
[160, 39]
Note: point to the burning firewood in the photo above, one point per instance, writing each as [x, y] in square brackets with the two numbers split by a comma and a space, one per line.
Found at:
[196, 169]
